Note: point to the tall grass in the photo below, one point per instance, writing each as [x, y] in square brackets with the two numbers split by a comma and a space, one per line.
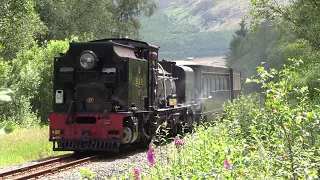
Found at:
[24, 145]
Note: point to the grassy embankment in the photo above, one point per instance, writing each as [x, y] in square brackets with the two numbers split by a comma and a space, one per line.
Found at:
[24, 145]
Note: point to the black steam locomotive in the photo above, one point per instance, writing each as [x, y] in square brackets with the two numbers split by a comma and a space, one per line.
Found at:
[111, 93]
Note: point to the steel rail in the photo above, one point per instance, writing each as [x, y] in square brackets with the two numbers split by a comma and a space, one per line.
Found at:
[22, 173]
[34, 166]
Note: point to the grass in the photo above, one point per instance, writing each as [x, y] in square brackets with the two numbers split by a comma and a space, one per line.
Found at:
[24, 145]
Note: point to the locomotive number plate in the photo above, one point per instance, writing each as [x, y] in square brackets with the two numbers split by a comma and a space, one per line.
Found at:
[172, 102]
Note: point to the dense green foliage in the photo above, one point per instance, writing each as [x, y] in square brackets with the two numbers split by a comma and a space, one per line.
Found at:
[19, 24]
[28, 43]
[88, 20]
[277, 33]
[301, 17]
[30, 78]
[264, 45]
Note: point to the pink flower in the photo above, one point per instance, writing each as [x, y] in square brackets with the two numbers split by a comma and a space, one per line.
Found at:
[227, 164]
[150, 156]
[136, 174]
[178, 142]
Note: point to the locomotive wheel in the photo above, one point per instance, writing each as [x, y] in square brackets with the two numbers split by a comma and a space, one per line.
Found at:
[127, 135]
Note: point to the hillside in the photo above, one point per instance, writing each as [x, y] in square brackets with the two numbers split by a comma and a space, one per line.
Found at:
[196, 28]
[209, 15]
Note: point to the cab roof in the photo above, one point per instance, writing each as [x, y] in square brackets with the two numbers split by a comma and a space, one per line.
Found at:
[128, 41]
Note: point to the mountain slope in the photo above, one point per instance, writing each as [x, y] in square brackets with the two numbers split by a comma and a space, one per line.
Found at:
[196, 28]
[210, 15]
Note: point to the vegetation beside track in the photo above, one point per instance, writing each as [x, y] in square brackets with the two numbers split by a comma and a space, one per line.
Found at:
[275, 135]
[23, 145]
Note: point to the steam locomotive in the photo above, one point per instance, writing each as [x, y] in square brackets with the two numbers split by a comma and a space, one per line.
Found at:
[111, 93]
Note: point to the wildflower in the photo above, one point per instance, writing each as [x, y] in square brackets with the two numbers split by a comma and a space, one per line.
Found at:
[136, 174]
[178, 142]
[150, 156]
[227, 164]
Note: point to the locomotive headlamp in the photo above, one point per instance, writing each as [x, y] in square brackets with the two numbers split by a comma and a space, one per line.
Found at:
[88, 60]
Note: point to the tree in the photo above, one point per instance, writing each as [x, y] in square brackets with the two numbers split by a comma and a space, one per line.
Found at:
[243, 30]
[257, 47]
[302, 17]
[87, 19]
[19, 24]
[127, 14]
[234, 54]
[67, 18]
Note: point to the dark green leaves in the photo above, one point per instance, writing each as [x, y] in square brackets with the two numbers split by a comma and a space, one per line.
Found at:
[93, 19]
[19, 24]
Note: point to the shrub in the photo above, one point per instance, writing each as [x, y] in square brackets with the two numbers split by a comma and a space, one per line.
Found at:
[287, 127]
[30, 77]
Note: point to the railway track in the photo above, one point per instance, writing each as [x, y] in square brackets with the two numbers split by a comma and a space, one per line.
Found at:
[46, 167]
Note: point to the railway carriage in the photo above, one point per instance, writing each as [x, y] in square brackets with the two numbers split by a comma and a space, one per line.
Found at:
[210, 87]
[112, 93]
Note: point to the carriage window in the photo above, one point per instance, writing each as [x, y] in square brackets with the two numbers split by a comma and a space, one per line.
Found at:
[209, 86]
[206, 87]
[213, 83]
[228, 85]
[221, 83]
[234, 81]
[203, 93]
[238, 82]
[217, 83]
[225, 82]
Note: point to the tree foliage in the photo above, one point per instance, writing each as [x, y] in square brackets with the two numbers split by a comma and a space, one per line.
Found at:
[87, 19]
[127, 14]
[299, 16]
[23, 21]
[19, 23]
[31, 80]
[257, 47]
[278, 32]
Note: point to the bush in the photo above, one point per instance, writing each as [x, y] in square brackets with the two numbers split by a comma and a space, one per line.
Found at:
[287, 127]
[30, 77]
